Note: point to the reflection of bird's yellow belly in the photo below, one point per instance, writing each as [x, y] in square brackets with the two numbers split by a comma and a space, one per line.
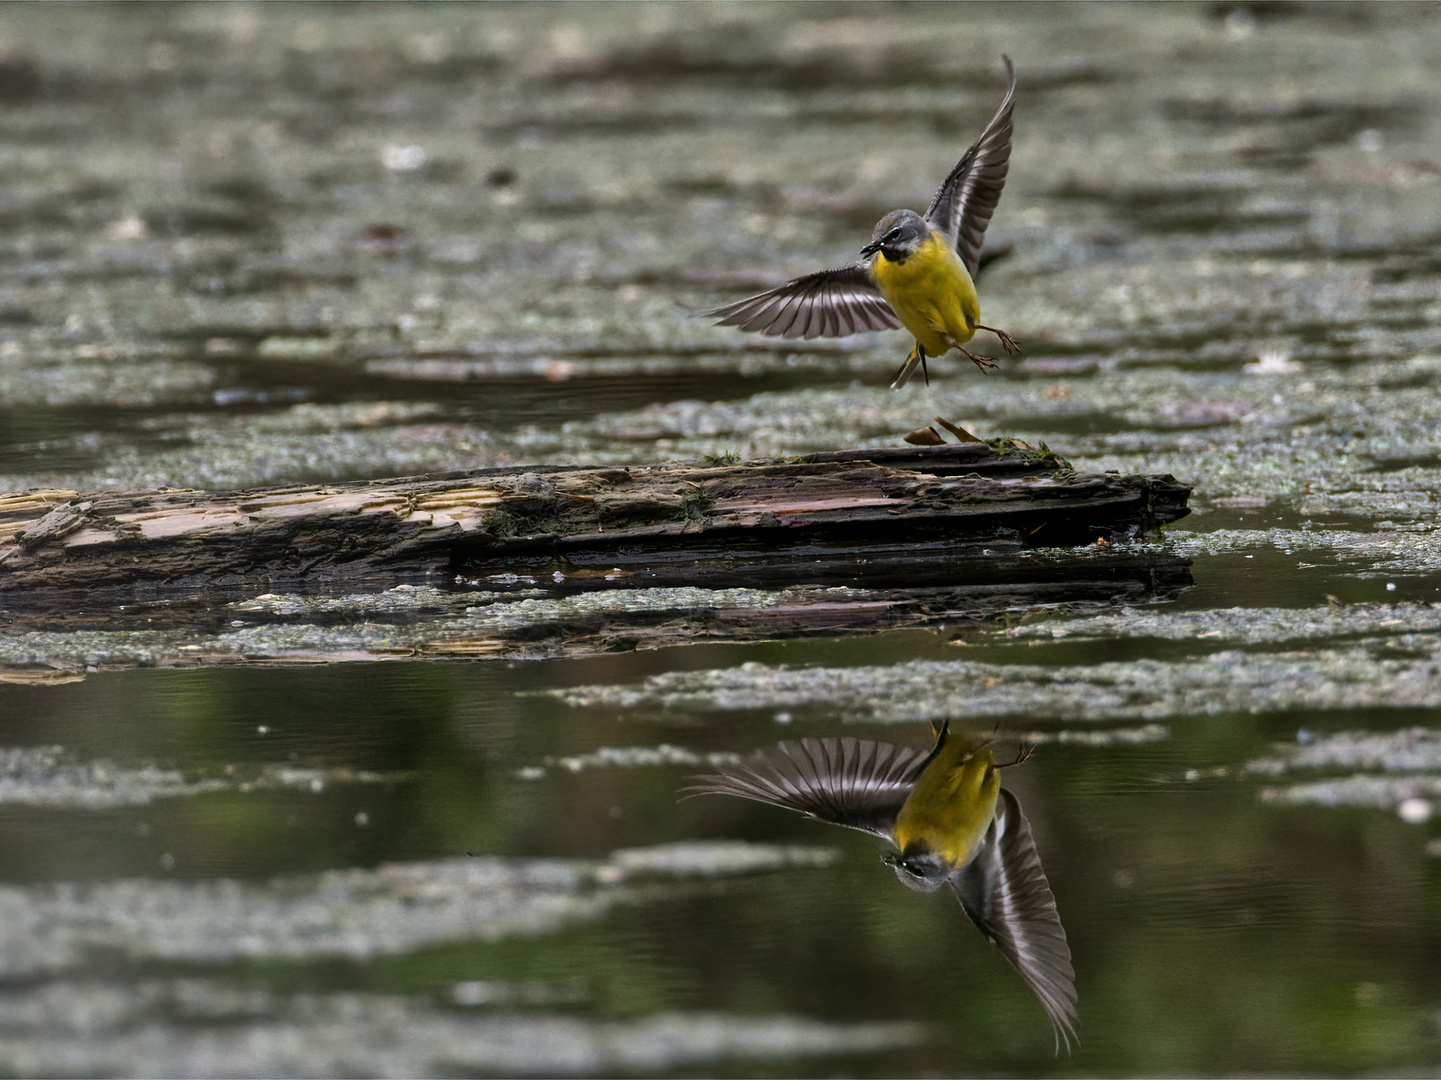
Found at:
[932, 294]
[951, 806]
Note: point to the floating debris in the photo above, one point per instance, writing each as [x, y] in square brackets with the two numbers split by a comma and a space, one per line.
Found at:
[1412, 798]
[45, 776]
[1247, 626]
[532, 992]
[355, 914]
[87, 1028]
[1231, 681]
[709, 859]
[1402, 550]
[629, 757]
[1414, 749]
[1131, 736]
[1402, 771]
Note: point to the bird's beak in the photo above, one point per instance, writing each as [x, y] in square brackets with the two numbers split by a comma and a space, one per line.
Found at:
[871, 248]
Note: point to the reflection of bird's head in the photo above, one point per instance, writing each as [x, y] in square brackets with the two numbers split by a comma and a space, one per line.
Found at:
[898, 235]
[920, 868]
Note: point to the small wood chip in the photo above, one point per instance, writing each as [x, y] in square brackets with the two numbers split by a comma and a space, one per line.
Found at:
[925, 436]
[959, 432]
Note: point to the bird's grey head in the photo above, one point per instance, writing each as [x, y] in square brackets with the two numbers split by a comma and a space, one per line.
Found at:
[898, 235]
[923, 870]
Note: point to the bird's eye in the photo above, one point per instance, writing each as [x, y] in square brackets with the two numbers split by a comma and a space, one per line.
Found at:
[894, 234]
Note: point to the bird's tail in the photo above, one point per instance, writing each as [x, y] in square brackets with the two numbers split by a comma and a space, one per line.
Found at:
[916, 359]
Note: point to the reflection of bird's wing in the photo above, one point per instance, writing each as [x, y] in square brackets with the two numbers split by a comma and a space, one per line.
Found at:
[828, 303]
[1005, 892]
[852, 782]
[965, 201]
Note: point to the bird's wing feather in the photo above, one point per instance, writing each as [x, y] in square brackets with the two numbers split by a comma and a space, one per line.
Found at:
[829, 303]
[964, 203]
[1006, 894]
[852, 782]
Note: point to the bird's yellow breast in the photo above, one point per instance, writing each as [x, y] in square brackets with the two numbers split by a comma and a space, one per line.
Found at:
[952, 804]
[931, 293]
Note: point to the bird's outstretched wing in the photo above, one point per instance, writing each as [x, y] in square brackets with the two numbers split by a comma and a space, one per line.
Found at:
[828, 303]
[1005, 892]
[852, 782]
[965, 201]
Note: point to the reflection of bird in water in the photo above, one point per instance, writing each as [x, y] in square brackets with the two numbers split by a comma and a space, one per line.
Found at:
[918, 272]
[951, 822]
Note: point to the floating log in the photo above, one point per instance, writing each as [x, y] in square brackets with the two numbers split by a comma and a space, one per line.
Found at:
[952, 507]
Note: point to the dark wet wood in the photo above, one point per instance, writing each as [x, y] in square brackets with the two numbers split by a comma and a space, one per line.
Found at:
[753, 519]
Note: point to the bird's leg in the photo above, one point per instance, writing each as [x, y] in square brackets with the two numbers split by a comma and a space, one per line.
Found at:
[1007, 342]
[1022, 754]
[940, 730]
[982, 362]
[921, 349]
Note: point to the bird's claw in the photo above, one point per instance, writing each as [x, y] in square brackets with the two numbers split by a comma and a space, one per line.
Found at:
[1010, 344]
[1023, 754]
[983, 362]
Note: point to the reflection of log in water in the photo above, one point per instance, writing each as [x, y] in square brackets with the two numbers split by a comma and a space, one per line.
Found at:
[895, 510]
[52, 640]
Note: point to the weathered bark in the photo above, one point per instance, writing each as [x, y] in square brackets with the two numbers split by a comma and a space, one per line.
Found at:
[674, 522]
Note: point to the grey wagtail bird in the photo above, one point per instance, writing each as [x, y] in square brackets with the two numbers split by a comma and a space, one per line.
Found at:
[918, 272]
[951, 823]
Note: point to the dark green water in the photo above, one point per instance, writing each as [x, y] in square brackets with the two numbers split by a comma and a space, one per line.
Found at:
[1211, 931]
